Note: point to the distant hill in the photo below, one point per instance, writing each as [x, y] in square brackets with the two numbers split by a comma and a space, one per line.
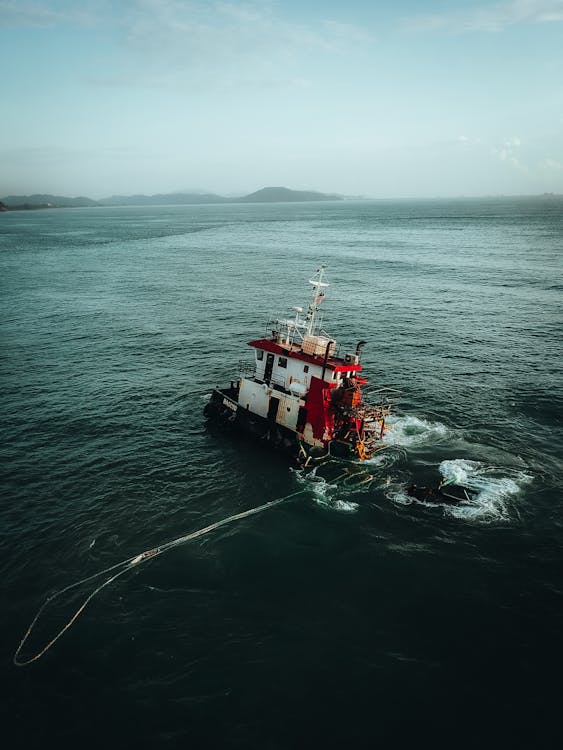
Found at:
[162, 199]
[41, 200]
[283, 194]
[265, 195]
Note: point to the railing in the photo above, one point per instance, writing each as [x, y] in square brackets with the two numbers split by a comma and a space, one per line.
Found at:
[277, 380]
[246, 369]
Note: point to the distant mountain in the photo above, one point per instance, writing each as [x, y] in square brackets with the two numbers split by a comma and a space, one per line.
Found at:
[283, 194]
[161, 199]
[41, 200]
[265, 195]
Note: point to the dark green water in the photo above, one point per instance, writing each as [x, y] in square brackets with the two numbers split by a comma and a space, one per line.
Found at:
[347, 617]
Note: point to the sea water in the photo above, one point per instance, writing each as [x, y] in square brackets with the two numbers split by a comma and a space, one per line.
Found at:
[352, 616]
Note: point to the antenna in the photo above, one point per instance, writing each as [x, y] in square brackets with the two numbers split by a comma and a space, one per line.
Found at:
[318, 295]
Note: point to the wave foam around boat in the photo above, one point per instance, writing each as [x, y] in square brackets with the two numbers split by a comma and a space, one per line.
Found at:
[411, 430]
[323, 492]
[494, 486]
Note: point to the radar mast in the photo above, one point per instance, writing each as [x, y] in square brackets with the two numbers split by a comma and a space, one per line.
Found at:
[318, 295]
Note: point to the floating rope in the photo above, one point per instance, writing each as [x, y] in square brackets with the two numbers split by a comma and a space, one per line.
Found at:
[122, 568]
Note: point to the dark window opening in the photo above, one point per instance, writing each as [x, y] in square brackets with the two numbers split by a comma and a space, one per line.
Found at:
[259, 354]
[269, 367]
[282, 361]
[306, 368]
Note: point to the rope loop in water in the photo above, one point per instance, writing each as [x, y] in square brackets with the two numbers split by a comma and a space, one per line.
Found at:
[122, 568]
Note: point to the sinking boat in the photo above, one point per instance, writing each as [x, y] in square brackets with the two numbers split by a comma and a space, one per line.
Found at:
[300, 395]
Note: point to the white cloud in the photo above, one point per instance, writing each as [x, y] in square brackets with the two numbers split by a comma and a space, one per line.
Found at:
[229, 43]
[513, 142]
[507, 153]
[225, 27]
[196, 31]
[43, 14]
[468, 141]
[490, 18]
[551, 164]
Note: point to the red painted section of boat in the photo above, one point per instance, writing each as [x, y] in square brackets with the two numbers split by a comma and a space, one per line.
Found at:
[319, 412]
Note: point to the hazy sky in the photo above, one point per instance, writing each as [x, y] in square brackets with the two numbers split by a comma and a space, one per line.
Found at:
[384, 99]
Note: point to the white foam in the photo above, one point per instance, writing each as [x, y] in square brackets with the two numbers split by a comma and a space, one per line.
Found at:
[410, 430]
[382, 459]
[323, 492]
[345, 506]
[494, 486]
[458, 470]
[493, 490]
[398, 496]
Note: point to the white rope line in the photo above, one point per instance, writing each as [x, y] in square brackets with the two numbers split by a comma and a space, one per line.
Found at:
[125, 566]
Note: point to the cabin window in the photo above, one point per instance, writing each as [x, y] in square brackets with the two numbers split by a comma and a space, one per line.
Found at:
[282, 361]
[306, 368]
[259, 354]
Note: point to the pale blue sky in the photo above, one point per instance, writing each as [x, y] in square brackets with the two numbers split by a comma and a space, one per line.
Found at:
[383, 99]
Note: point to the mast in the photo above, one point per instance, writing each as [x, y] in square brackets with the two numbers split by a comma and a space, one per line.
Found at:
[318, 295]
